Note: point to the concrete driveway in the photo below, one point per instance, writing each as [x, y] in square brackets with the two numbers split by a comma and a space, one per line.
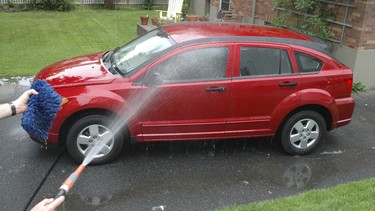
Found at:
[183, 175]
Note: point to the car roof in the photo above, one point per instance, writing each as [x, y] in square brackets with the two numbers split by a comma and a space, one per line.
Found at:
[187, 31]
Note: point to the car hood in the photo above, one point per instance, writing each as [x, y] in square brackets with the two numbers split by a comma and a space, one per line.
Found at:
[82, 70]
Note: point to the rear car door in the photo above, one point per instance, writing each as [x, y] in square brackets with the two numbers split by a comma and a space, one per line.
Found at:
[192, 101]
[264, 89]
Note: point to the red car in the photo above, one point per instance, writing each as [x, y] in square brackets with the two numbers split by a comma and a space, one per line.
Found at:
[197, 81]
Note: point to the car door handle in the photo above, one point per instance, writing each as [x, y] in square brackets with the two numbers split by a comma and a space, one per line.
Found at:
[288, 84]
[216, 89]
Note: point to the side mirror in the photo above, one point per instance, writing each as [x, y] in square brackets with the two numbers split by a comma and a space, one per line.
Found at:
[153, 79]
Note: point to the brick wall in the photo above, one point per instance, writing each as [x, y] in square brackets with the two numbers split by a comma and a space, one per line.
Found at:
[215, 3]
[367, 37]
[263, 8]
[245, 6]
[362, 35]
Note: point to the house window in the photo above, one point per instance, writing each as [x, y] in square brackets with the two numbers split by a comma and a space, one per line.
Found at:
[224, 5]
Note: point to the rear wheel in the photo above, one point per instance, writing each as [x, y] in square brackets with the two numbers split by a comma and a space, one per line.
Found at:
[91, 131]
[302, 132]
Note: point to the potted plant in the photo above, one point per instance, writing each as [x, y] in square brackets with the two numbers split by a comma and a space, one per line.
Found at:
[144, 20]
[154, 21]
[204, 18]
[192, 17]
[164, 22]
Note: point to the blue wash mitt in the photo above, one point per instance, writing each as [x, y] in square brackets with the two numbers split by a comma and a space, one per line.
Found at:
[41, 111]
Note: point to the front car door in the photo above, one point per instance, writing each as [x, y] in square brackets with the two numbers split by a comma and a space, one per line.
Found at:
[192, 101]
[264, 88]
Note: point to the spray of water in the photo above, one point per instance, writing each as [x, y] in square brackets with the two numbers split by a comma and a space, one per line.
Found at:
[94, 151]
[138, 101]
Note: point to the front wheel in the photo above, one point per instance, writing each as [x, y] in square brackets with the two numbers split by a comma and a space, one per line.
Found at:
[302, 132]
[91, 131]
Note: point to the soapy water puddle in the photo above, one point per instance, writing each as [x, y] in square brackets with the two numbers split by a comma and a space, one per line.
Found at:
[332, 153]
[159, 208]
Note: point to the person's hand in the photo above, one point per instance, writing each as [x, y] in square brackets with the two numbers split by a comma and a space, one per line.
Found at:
[48, 204]
[21, 102]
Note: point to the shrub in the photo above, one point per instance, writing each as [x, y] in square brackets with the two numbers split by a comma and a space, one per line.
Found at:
[307, 16]
[148, 4]
[110, 4]
[186, 8]
[10, 3]
[358, 87]
[58, 5]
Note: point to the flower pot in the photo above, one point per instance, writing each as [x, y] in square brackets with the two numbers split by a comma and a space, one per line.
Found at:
[203, 19]
[154, 21]
[144, 20]
[192, 17]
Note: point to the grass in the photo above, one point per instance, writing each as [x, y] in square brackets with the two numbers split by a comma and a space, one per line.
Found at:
[32, 40]
[352, 196]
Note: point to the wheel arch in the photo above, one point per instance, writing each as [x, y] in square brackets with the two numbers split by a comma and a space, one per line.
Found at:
[323, 111]
[87, 112]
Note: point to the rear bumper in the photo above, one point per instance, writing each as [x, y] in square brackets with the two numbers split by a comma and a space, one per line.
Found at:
[345, 109]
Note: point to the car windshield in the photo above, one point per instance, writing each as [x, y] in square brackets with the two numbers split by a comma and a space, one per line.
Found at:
[135, 53]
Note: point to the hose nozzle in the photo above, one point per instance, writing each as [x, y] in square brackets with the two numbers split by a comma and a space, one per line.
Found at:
[69, 182]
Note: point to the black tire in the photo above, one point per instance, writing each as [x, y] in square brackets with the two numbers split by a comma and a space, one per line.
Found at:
[302, 132]
[93, 129]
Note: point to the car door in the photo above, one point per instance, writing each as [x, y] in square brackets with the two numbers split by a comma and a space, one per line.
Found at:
[192, 100]
[263, 90]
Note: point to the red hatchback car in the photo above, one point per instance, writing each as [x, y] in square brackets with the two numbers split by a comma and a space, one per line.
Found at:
[196, 81]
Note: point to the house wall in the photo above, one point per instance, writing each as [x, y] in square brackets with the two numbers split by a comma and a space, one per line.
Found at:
[200, 7]
[360, 61]
[367, 37]
[362, 35]
[358, 47]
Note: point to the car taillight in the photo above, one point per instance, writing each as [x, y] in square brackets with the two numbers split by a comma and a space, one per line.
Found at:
[349, 84]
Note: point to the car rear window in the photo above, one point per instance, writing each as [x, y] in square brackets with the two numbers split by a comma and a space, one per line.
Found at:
[307, 63]
[257, 61]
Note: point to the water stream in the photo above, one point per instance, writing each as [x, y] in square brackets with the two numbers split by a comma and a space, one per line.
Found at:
[138, 101]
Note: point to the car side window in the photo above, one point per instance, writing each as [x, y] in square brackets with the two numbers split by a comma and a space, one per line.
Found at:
[307, 63]
[256, 61]
[196, 64]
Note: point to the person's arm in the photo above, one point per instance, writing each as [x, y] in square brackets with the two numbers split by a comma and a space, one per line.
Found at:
[17, 106]
[5, 110]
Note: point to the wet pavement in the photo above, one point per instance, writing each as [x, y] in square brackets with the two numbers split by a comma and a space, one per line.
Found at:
[183, 175]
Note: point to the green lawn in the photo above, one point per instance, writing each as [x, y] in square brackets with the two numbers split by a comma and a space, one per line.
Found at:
[32, 40]
[352, 196]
